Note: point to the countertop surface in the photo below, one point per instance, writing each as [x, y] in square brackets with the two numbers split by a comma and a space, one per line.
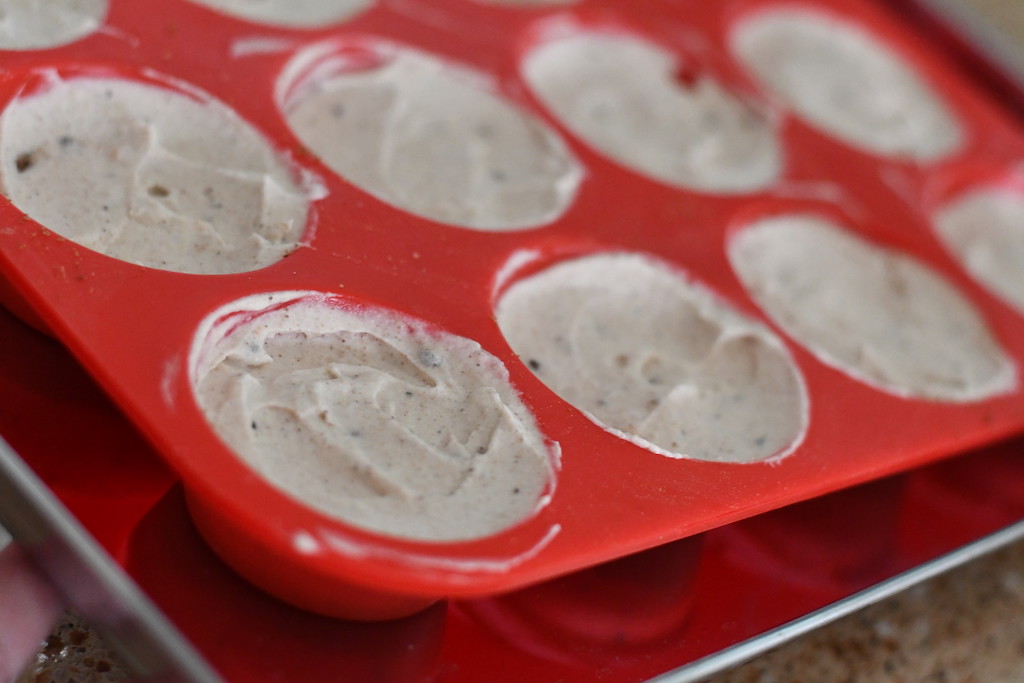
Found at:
[1007, 14]
[966, 625]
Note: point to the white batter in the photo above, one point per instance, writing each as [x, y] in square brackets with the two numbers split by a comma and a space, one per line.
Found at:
[985, 230]
[290, 13]
[875, 313]
[431, 139]
[37, 24]
[149, 175]
[656, 358]
[622, 96]
[847, 83]
[372, 417]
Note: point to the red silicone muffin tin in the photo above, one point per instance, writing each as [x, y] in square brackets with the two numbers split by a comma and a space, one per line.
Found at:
[132, 327]
[627, 620]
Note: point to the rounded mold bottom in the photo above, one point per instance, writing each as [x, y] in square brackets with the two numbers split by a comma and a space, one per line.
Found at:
[288, 578]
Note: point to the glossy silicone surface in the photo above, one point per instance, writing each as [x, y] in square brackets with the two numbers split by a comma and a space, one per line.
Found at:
[625, 621]
[132, 327]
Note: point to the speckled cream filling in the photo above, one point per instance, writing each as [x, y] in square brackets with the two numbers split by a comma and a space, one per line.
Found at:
[875, 313]
[847, 83]
[371, 417]
[430, 138]
[150, 175]
[38, 24]
[984, 229]
[622, 95]
[656, 358]
[290, 13]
